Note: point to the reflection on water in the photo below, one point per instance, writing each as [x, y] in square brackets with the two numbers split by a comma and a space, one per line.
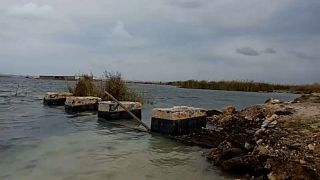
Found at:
[38, 142]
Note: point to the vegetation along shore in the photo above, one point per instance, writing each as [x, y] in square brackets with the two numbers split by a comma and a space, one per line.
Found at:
[248, 86]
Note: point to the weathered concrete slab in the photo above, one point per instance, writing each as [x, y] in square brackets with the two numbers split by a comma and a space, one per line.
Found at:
[56, 98]
[179, 120]
[79, 104]
[110, 110]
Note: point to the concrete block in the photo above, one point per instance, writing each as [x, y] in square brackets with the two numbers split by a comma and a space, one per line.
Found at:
[110, 110]
[179, 120]
[56, 98]
[79, 104]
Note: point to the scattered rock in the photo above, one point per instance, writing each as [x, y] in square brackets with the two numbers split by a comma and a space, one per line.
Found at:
[275, 141]
[261, 151]
[213, 112]
[270, 121]
[284, 112]
[274, 123]
[229, 110]
[242, 164]
[272, 117]
[248, 146]
[259, 142]
[265, 124]
[302, 161]
[272, 177]
[311, 147]
[272, 101]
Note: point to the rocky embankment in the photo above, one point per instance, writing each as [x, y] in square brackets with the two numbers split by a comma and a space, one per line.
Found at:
[275, 140]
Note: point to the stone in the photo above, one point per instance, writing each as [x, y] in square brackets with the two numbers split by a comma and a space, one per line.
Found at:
[213, 112]
[274, 123]
[261, 151]
[230, 153]
[260, 132]
[248, 146]
[311, 147]
[79, 104]
[302, 161]
[272, 117]
[110, 110]
[271, 176]
[272, 101]
[284, 112]
[229, 110]
[270, 121]
[179, 120]
[241, 164]
[56, 98]
[259, 142]
[265, 124]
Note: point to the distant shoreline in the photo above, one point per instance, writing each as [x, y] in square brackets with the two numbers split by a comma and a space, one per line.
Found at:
[243, 86]
[247, 86]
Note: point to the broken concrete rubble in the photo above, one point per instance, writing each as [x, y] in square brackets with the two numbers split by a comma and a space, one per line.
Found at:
[79, 104]
[110, 110]
[268, 141]
[179, 120]
[56, 98]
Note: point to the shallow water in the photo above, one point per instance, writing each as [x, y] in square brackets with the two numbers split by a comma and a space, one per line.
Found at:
[38, 142]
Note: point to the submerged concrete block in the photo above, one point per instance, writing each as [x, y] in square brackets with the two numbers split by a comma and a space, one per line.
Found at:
[56, 98]
[179, 120]
[110, 110]
[79, 104]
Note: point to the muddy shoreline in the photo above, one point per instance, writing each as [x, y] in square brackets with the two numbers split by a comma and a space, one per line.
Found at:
[275, 140]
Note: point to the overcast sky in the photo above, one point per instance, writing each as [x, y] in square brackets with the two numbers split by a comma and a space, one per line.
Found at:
[261, 40]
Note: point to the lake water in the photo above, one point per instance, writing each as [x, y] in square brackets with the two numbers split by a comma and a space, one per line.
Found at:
[39, 142]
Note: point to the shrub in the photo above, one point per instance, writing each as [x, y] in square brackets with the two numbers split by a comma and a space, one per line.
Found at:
[113, 84]
[117, 87]
[85, 86]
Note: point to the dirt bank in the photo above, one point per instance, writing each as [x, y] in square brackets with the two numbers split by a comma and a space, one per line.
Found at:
[275, 140]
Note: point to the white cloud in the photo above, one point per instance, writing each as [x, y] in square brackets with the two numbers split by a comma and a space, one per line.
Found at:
[30, 10]
[121, 37]
[119, 31]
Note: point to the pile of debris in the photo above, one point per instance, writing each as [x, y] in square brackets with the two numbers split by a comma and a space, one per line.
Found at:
[275, 140]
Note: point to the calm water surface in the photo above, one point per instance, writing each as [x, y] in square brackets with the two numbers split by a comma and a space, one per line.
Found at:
[38, 142]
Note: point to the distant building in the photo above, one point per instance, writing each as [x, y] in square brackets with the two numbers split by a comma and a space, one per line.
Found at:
[68, 78]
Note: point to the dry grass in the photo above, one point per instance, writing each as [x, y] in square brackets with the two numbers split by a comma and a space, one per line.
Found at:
[307, 88]
[250, 86]
[304, 125]
[113, 83]
[85, 86]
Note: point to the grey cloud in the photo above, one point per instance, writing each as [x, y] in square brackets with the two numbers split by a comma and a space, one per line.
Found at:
[302, 55]
[189, 4]
[248, 51]
[185, 37]
[269, 51]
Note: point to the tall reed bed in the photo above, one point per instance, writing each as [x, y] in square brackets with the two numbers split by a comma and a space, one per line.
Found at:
[249, 86]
